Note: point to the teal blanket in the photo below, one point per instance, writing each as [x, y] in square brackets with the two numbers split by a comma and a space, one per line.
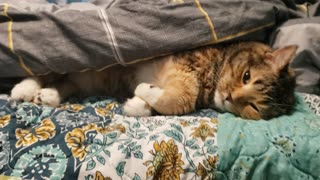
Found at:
[287, 147]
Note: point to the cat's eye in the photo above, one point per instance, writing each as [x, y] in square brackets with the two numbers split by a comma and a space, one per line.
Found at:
[246, 77]
[254, 107]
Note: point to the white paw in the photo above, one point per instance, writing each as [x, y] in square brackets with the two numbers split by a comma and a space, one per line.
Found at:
[48, 96]
[151, 94]
[136, 107]
[25, 90]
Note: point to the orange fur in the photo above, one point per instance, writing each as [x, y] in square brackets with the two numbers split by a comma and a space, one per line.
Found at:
[201, 78]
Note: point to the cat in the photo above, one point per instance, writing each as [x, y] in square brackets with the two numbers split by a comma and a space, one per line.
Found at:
[248, 79]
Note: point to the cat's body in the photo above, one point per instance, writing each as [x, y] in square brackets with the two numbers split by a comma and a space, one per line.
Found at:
[242, 78]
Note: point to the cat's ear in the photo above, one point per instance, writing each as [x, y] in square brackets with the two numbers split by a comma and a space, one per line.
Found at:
[281, 58]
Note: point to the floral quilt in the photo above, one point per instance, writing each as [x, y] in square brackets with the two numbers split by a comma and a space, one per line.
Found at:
[91, 139]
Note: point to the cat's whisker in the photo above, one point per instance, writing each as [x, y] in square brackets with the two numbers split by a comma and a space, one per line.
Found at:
[277, 104]
[284, 79]
[271, 101]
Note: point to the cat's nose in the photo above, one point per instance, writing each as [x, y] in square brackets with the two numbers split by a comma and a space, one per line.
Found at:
[229, 98]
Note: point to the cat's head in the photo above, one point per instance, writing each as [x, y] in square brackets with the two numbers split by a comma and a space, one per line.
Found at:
[256, 82]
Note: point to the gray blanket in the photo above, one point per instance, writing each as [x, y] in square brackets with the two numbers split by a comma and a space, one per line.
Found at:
[304, 32]
[37, 37]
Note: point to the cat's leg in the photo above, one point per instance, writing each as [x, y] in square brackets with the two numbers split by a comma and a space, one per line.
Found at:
[26, 90]
[137, 107]
[177, 97]
[48, 96]
[53, 94]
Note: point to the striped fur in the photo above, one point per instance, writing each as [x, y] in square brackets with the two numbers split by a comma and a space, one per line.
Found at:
[201, 78]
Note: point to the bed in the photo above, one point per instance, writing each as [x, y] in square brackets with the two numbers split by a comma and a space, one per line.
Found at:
[92, 139]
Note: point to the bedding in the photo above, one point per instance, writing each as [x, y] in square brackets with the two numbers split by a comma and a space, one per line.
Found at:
[91, 139]
[307, 62]
[82, 36]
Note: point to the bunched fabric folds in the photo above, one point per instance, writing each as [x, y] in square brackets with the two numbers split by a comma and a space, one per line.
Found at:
[38, 37]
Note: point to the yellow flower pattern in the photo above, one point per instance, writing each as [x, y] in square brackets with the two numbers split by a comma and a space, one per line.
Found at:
[184, 123]
[111, 128]
[99, 176]
[72, 107]
[76, 140]
[106, 110]
[208, 168]
[4, 120]
[26, 137]
[203, 131]
[166, 162]
[214, 121]
[104, 145]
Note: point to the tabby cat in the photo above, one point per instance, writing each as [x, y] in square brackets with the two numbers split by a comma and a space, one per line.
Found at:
[248, 79]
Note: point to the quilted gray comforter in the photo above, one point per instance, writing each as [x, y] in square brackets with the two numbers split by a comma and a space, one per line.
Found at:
[38, 37]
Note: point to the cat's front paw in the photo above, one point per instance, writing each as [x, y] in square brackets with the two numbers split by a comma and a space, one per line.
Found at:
[136, 107]
[25, 90]
[48, 96]
[151, 94]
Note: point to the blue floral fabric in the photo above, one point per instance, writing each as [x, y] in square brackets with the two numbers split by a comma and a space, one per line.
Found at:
[91, 139]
